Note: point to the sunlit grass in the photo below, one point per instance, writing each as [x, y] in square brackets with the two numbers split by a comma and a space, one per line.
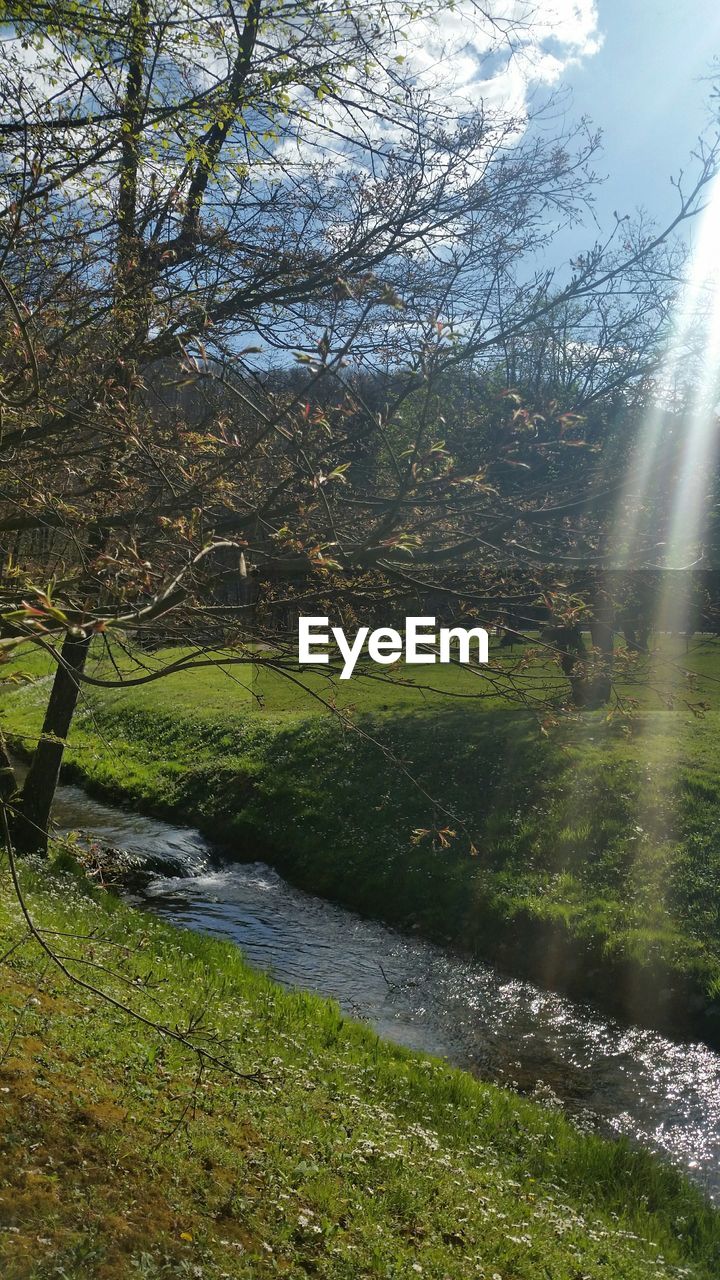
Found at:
[351, 1158]
[586, 833]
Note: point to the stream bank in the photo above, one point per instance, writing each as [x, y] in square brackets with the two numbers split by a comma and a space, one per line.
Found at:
[608, 1078]
[592, 873]
[425, 893]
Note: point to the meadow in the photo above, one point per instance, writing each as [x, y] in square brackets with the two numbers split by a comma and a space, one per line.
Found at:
[340, 1157]
[581, 851]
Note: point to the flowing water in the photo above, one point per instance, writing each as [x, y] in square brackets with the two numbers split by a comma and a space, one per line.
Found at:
[613, 1078]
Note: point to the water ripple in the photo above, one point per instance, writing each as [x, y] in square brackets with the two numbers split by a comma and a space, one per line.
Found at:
[621, 1080]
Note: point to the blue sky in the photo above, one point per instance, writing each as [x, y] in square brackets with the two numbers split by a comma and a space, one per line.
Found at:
[644, 88]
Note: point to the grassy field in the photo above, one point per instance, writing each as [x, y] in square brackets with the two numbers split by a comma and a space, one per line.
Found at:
[585, 856]
[346, 1159]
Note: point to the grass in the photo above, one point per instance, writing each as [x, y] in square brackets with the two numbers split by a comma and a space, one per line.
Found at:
[586, 858]
[350, 1159]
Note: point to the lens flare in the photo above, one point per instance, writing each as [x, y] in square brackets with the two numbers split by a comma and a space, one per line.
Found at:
[644, 536]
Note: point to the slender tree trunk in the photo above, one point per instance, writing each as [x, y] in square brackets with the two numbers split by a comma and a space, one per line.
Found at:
[31, 824]
[8, 783]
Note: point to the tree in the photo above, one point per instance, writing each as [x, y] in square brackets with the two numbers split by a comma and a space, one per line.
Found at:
[191, 186]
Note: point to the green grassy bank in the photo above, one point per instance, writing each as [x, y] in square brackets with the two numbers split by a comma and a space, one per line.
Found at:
[586, 859]
[347, 1159]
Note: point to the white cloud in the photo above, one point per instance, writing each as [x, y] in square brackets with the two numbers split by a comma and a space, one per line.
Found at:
[449, 54]
[462, 62]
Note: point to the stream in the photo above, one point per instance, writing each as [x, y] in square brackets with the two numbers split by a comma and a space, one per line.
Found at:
[608, 1077]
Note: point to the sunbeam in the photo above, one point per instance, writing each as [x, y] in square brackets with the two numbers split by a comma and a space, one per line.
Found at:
[642, 535]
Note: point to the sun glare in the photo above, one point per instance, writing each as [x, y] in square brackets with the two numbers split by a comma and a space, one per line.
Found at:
[670, 538]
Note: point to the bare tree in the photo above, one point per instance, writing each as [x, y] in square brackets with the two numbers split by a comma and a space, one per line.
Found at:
[191, 187]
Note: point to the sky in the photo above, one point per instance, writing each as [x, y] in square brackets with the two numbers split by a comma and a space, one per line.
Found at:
[643, 84]
[640, 70]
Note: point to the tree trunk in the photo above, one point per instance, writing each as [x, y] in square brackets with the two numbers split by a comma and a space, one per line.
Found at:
[572, 656]
[30, 829]
[8, 785]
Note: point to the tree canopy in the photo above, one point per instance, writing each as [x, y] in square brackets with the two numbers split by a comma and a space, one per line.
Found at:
[249, 256]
